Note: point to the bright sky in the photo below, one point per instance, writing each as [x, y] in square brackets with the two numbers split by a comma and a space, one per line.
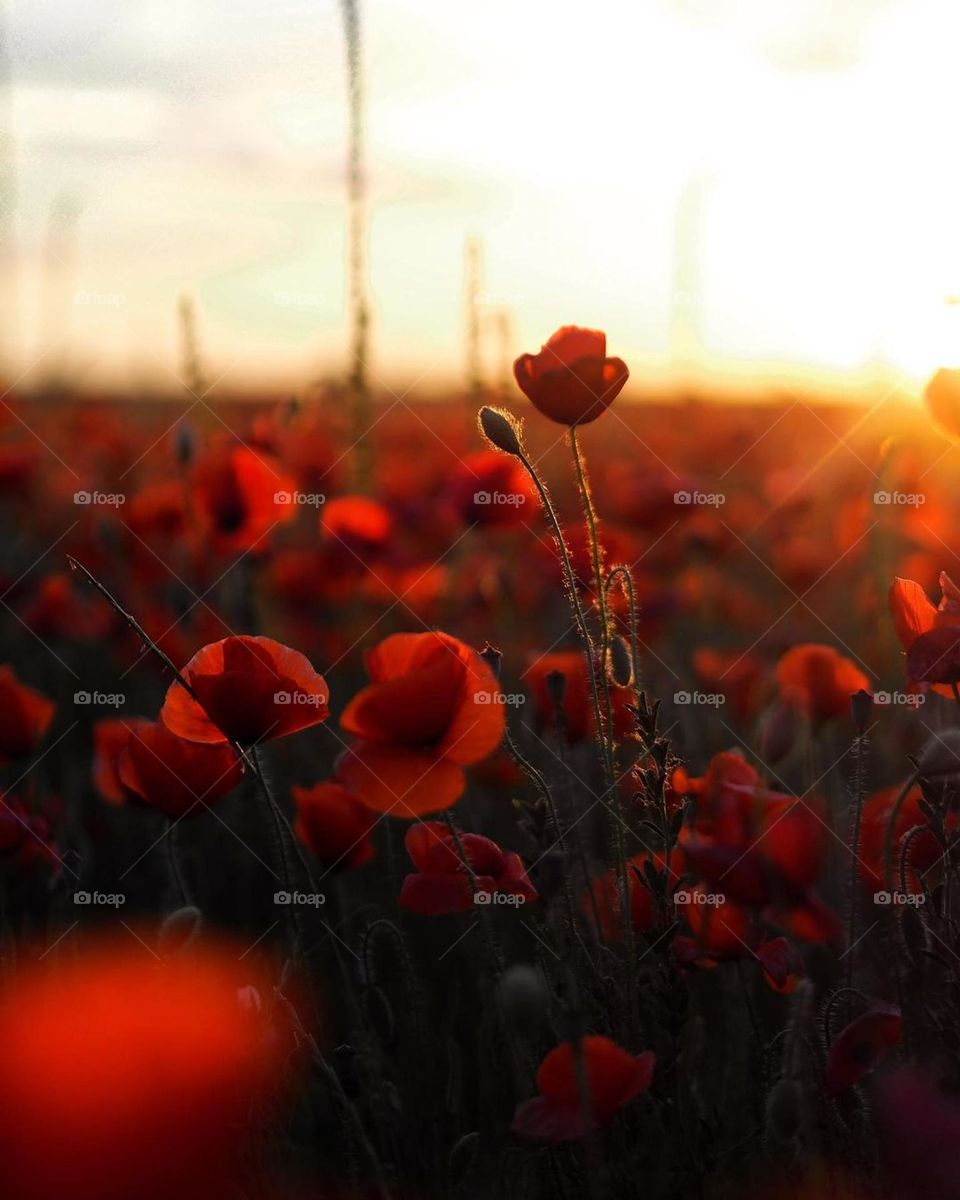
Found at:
[760, 185]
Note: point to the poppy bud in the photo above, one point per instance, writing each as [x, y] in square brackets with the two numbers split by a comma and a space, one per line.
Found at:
[501, 429]
[941, 755]
[861, 706]
[783, 1110]
[179, 929]
[523, 996]
[619, 666]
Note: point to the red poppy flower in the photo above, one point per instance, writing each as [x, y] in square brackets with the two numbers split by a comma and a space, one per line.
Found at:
[441, 883]
[489, 488]
[333, 824]
[175, 776]
[121, 1076]
[249, 689]
[429, 711]
[59, 610]
[819, 681]
[571, 380]
[27, 714]
[925, 851]
[643, 910]
[239, 496]
[860, 1047]
[613, 1078]
[720, 928]
[110, 738]
[358, 524]
[930, 636]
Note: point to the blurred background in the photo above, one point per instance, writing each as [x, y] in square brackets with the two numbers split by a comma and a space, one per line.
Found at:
[740, 192]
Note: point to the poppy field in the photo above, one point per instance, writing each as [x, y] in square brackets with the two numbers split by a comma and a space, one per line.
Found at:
[554, 796]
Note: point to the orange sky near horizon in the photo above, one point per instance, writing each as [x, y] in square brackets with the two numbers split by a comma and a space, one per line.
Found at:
[737, 190]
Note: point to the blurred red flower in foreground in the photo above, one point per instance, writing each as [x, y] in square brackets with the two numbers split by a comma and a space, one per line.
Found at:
[430, 710]
[333, 824]
[859, 1047]
[613, 1077]
[27, 714]
[122, 1076]
[175, 776]
[442, 885]
[249, 689]
[819, 681]
[571, 380]
[930, 636]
